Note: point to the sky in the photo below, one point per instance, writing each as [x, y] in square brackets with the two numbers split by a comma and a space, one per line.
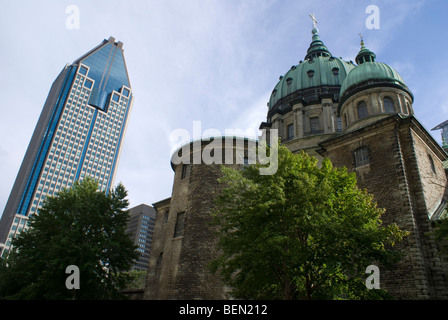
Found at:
[213, 61]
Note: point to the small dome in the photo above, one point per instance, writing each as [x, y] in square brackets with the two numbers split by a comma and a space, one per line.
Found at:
[371, 74]
[364, 55]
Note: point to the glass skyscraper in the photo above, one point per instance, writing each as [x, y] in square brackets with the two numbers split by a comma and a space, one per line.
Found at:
[79, 133]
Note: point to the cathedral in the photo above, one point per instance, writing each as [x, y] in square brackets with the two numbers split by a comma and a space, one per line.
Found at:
[359, 115]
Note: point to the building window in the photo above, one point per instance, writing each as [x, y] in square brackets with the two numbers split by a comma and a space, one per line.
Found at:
[179, 228]
[88, 84]
[338, 124]
[431, 161]
[335, 71]
[126, 92]
[159, 259]
[290, 131]
[361, 156]
[165, 217]
[115, 97]
[314, 125]
[362, 110]
[82, 70]
[388, 105]
[185, 171]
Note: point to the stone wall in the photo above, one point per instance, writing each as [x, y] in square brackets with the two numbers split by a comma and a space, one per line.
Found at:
[179, 265]
[396, 176]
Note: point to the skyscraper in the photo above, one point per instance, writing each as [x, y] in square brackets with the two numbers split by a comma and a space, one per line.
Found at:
[79, 133]
[140, 229]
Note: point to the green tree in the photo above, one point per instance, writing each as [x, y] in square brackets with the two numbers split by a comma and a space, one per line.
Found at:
[306, 232]
[441, 234]
[81, 226]
[137, 280]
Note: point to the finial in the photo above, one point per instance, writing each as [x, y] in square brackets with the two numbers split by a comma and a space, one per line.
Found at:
[314, 20]
[362, 40]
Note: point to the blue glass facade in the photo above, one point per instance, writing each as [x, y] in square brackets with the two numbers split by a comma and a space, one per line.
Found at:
[107, 68]
[43, 150]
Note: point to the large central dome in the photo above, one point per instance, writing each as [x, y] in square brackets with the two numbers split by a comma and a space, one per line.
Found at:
[319, 76]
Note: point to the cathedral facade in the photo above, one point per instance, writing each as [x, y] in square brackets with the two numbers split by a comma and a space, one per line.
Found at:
[359, 115]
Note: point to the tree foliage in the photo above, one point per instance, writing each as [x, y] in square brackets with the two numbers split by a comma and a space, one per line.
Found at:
[81, 226]
[441, 234]
[306, 232]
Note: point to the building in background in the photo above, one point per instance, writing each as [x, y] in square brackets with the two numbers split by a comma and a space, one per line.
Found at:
[140, 229]
[79, 133]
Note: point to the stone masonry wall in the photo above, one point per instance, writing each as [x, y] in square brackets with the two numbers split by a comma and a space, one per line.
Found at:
[183, 272]
[392, 177]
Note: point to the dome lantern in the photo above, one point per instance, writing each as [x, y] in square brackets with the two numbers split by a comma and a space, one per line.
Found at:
[364, 54]
[317, 47]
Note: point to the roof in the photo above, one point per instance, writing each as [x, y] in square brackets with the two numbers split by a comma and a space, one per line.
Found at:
[374, 72]
[318, 69]
[317, 72]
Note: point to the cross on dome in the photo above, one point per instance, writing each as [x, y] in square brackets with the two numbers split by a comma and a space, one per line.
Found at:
[314, 20]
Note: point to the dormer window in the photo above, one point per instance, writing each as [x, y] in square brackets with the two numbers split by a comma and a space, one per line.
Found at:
[310, 73]
[335, 71]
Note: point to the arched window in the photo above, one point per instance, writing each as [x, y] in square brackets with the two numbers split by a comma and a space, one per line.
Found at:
[179, 227]
[362, 110]
[159, 259]
[388, 105]
[431, 161]
[186, 168]
[361, 156]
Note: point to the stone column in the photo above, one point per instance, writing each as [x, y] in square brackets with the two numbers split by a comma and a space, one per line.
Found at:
[298, 120]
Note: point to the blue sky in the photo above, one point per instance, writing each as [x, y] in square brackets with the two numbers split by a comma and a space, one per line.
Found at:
[214, 61]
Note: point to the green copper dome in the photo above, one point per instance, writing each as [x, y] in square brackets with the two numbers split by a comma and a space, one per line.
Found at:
[319, 70]
[370, 73]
